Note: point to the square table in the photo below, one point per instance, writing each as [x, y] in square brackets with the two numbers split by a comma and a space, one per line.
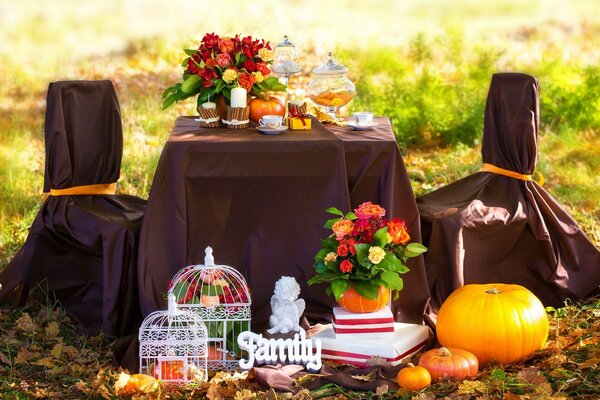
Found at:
[259, 201]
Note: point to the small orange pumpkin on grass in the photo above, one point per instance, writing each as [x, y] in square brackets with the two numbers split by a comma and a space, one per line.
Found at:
[413, 377]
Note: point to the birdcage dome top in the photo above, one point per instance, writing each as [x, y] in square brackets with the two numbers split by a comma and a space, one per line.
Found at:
[210, 285]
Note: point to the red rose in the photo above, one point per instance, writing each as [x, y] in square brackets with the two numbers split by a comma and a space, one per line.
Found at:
[351, 248]
[249, 65]
[223, 60]
[346, 266]
[210, 40]
[263, 69]
[246, 80]
[342, 250]
[226, 45]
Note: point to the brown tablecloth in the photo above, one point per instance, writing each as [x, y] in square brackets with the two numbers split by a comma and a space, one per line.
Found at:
[259, 201]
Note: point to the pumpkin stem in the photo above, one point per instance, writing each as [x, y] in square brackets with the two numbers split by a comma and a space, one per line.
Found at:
[444, 352]
[493, 291]
[410, 365]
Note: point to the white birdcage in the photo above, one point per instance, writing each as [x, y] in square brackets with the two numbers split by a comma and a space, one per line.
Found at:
[220, 297]
[173, 345]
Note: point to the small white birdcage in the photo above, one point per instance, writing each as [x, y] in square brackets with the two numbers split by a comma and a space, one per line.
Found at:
[220, 297]
[173, 345]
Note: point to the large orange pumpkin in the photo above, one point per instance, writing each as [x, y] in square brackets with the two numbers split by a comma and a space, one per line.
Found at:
[354, 302]
[260, 107]
[449, 363]
[494, 321]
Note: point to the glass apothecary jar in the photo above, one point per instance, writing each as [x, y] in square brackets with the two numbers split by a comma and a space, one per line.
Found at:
[331, 88]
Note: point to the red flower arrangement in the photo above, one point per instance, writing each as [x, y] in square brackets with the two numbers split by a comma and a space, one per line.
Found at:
[222, 63]
[364, 251]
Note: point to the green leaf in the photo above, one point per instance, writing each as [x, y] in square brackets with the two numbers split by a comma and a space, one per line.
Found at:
[191, 84]
[273, 81]
[391, 263]
[380, 237]
[334, 211]
[211, 290]
[366, 289]
[169, 101]
[278, 88]
[414, 249]
[393, 280]
[362, 254]
[350, 215]
[190, 52]
[180, 290]
[329, 223]
[338, 287]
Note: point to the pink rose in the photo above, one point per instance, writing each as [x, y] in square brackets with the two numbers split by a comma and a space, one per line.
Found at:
[223, 60]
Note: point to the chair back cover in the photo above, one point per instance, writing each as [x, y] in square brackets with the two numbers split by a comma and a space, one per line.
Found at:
[492, 228]
[84, 135]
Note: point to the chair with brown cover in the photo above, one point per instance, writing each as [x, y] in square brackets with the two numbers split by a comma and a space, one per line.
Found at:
[84, 239]
[499, 225]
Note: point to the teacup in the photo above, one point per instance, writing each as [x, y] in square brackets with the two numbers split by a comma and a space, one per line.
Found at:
[271, 121]
[363, 118]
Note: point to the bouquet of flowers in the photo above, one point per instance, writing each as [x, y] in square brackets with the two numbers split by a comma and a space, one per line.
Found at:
[222, 63]
[365, 251]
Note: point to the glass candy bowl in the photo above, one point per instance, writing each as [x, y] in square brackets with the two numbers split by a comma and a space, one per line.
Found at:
[331, 88]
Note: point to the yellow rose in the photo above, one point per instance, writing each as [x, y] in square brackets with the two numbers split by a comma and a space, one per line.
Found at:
[258, 77]
[229, 75]
[265, 54]
[330, 257]
[376, 254]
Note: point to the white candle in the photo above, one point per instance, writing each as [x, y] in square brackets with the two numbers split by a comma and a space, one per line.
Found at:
[238, 97]
[208, 105]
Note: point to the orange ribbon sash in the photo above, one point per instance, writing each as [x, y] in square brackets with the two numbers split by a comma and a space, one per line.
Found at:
[101, 188]
[511, 174]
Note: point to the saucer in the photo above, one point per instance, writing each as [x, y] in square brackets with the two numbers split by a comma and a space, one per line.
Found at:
[271, 131]
[361, 127]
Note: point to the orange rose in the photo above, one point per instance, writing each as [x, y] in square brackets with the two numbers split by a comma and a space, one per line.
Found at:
[397, 230]
[226, 45]
[246, 81]
[369, 210]
[342, 228]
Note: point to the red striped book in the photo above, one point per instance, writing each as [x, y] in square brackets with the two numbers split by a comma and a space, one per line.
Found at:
[363, 325]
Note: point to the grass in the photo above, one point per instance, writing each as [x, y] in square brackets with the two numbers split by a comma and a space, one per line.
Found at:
[429, 73]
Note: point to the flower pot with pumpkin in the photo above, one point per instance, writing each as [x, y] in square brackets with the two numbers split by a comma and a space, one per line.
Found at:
[221, 63]
[363, 258]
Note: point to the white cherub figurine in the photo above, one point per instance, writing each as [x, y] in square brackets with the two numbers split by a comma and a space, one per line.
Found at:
[286, 307]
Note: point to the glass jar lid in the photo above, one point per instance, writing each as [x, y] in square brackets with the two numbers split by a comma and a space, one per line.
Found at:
[285, 55]
[330, 67]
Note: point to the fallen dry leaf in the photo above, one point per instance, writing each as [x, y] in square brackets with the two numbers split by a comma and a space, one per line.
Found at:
[244, 394]
[378, 361]
[24, 355]
[52, 330]
[57, 350]
[471, 387]
[45, 362]
[381, 390]
[26, 324]
[370, 377]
